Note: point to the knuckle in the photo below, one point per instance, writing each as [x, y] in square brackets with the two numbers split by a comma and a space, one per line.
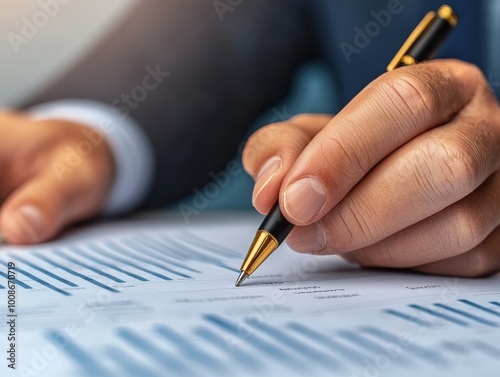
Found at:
[351, 227]
[412, 94]
[343, 157]
[458, 162]
[446, 170]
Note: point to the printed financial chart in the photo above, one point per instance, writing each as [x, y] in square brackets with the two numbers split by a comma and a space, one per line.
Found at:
[157, 298]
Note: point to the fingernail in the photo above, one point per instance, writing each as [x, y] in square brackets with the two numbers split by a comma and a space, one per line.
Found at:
[304, 198]
[307, 239]
[266, 173]
[30, 222]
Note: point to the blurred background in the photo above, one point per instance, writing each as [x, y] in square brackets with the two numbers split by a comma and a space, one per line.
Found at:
[60, 34]
[40, 40]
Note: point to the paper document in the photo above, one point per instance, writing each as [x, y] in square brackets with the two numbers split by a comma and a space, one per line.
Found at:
[151, 298]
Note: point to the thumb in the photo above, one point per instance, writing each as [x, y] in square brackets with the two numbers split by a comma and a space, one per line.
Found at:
[43, 205]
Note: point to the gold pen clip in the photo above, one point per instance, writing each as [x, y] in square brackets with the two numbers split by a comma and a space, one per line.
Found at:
[445, 12]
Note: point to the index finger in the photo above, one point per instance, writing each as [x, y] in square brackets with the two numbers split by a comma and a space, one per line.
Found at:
[389, 112]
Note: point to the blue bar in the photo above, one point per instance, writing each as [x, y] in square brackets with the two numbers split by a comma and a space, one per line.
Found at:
[258, 343]
[133, 254]
[79, 251]
[195, 240]
[85, 360]
[61, 254]
[427, 355]
[127, 366]
[117, 249]
[40, 281]
[115, 258]
[480, 307]
[18, 282]
[2, 287]
[176, 253]
[345, 351]
[197, 255]
[189, 255]
[245, 359]
[371, 346]
[467, 315]
[190, 350]
[495, 303]
[154, 253]
[487, 349]
[169, 362]
[46, 272]
[77, 274]
[439, 315]
[296, 345]
[457, 348]
[114, 246]
[155, 245]
[407, 317]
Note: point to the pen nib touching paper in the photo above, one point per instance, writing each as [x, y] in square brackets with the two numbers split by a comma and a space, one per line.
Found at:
[241, 278]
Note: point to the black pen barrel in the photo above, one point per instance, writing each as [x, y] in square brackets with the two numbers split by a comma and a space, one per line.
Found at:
[276, 224]
[426, 46]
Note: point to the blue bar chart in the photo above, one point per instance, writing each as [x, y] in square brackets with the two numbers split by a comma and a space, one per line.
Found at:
[154, 302]
[218, 345]
[111, 263]
[459, 314]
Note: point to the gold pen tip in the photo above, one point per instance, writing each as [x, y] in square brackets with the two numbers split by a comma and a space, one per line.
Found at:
[241, 278]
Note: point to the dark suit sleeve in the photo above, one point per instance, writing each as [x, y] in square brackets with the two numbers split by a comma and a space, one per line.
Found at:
[225, 65]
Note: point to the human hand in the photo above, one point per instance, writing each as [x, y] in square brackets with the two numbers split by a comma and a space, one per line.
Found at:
[407, 175]
[53, 173]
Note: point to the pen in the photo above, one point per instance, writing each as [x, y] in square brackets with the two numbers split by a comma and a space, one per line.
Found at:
[421, 45]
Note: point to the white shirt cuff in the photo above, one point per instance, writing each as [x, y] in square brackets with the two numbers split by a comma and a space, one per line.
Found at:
[129, 144]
